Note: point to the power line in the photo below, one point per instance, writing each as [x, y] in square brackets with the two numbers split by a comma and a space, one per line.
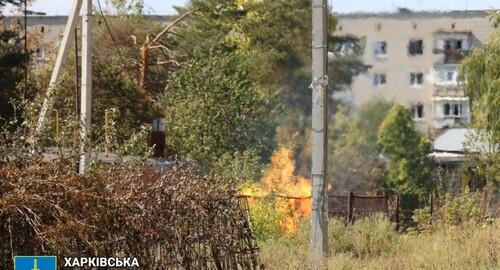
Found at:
[26, 61]
[115, 44]
[77, 75]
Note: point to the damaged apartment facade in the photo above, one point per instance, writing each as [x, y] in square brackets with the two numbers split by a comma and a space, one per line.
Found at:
[415, 59]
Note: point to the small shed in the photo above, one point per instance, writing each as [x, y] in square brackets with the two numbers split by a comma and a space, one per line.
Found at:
[451, 151]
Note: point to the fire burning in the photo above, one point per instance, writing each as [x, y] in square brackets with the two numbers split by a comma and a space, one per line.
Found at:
[292, 193]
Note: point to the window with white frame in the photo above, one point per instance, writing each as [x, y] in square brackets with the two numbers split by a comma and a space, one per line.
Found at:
[380, 48]
[416, 78]
[448, 75]
[453, 109]
[379, 79]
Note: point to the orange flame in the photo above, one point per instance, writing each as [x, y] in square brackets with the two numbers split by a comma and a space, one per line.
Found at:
[293, 192]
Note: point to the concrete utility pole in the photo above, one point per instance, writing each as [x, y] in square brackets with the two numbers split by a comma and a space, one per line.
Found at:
[319, 217]
[56, 73]
[86, 99]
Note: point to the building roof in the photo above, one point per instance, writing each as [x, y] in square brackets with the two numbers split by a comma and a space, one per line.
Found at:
[448, 158]
[458, 140]
[407, 14]
[451, 141]
[61, 19]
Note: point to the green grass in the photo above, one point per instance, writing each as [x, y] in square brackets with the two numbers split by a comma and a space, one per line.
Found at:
[373, 244]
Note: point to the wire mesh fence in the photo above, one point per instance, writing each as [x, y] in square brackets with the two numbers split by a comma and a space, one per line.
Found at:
[204, 252]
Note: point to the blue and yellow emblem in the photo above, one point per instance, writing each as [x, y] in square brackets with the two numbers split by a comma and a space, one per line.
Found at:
[35, 263]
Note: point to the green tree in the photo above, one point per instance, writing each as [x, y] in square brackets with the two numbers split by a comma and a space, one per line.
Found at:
[369, 118]
[213, 108]
[276, 36]
[353, 162]
[481, 72]
[12, 64]
[274, 39]
[115, 77]
[409, 167]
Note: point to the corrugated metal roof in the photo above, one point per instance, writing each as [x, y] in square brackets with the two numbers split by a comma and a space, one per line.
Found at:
[453, 140]
[458, 140]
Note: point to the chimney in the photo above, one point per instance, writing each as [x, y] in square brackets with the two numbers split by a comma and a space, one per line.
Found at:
[158, 137]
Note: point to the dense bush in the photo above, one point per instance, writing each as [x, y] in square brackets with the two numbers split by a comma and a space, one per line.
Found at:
[213, 108]
[464, 209]
[266, 221]
[156, 216]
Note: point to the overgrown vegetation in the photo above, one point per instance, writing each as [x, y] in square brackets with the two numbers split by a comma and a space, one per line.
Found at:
[159, 216]
[374, 244]
[231, 80]
[12, 67]
[214, 108]
[480, 71]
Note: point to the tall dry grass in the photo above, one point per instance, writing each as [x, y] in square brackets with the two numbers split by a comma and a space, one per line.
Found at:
[373, 244]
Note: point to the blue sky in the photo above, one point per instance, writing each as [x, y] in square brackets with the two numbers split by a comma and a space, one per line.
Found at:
[341, 6]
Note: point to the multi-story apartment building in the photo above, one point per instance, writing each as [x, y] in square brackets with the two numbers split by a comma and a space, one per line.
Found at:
[45, 32]
[415, 59]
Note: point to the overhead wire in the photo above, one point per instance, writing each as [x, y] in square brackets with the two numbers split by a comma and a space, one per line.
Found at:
[113, 40]
[77, 76]
[27, 60]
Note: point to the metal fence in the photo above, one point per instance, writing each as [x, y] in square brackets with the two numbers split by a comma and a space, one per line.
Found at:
[203, 254]
[352, 207]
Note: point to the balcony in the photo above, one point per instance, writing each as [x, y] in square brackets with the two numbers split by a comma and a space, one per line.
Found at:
[452, 56]
[452, 46]
[446, 78]
[450, 111]
[449, 121]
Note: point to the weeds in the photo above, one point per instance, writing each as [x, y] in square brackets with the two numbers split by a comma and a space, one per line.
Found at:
[374, 244]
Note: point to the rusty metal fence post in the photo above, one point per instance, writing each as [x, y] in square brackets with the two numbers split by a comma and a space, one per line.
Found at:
[350, 200]
[397, 213]
[431, 202]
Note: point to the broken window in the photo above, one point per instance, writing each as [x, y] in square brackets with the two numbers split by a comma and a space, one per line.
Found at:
[380, 48]
[454, 44]
[446, 109]
[379, 79]
[417, 111]
[344, 48]
[416, 47]
[452, 109]
[416, 78]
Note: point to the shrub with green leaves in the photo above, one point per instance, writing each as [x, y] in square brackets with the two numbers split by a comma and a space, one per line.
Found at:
[213, 108]
[452, 211]
[409, 167]
[265, 221]
[244, 166]
[366, 237]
